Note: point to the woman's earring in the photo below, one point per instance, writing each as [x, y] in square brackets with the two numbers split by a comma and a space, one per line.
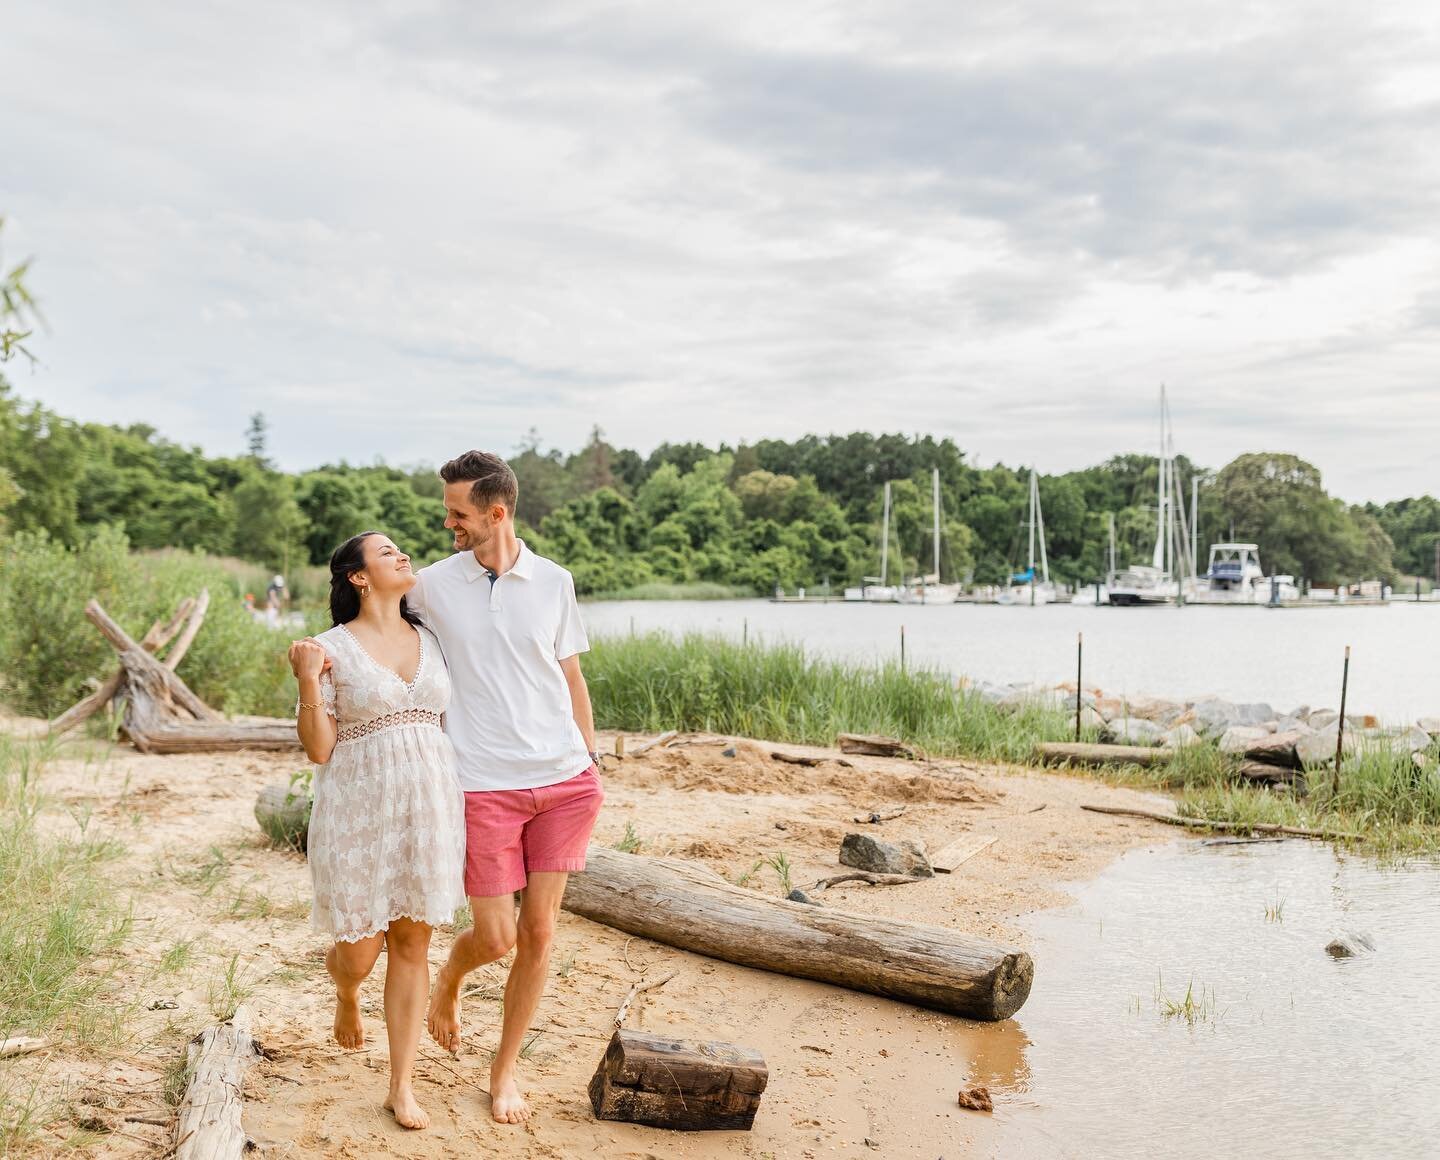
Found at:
[364, 590]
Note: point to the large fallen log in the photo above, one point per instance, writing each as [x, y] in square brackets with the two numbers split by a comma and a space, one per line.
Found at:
[1080, 753]
[208, 1126]
[689, 907]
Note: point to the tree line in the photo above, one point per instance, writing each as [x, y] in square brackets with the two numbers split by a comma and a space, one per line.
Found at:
[794, 513]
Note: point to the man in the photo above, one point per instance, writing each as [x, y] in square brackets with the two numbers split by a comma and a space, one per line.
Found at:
[524, 737]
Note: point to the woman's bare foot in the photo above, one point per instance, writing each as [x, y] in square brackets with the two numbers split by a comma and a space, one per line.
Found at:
[349, 1029]
[408, 1114]
[507, 1105]
[444, 1018]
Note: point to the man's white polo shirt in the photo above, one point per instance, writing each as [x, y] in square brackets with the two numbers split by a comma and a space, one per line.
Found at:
[510, 716]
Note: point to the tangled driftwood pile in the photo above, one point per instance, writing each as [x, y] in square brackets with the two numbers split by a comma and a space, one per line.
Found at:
[159, 713]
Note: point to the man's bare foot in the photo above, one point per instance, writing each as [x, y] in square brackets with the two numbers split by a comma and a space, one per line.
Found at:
[444, 1018]
[408, 1114]
[507, 1105]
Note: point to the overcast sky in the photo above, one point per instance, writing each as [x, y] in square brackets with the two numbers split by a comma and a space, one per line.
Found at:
[405, 229]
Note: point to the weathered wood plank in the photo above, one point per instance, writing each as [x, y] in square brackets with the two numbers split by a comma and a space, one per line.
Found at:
[873, 745]
[947, 858]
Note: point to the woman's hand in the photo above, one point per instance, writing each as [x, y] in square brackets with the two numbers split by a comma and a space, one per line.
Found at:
[308, 658]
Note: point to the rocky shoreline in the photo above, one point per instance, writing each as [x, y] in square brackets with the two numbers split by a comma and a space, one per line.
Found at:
[1257, 731]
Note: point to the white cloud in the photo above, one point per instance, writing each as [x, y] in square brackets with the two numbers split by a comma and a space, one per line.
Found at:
[404, 228]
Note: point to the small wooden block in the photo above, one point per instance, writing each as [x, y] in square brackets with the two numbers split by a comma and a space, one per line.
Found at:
[677, 1083]
[944, 860]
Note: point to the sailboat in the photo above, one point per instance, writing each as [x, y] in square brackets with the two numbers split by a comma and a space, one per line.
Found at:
[878, 589]
[1160, 581]
[928, 589]
[1098, 593]
[1024, 587]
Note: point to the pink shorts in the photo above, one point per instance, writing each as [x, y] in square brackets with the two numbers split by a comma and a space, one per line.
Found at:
[512, 833]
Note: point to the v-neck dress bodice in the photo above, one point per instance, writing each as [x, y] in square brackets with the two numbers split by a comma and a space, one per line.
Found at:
[387, 831]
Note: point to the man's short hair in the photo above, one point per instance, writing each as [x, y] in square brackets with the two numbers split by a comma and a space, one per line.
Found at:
[490, 478]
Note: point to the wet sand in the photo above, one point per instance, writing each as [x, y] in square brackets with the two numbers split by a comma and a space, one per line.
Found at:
[850, 1075]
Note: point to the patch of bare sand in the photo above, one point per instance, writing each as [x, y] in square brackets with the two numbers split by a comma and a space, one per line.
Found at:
[845, 1068]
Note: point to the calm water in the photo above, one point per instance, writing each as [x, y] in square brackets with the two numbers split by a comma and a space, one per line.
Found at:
[1301, 1055]
[1288, 657]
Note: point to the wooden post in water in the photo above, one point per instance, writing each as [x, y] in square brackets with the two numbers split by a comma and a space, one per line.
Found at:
[1340, 725]
[745, 631]
[1079, 669]
[902, 647]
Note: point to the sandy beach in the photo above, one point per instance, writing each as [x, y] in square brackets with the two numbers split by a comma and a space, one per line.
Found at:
[851, 1075]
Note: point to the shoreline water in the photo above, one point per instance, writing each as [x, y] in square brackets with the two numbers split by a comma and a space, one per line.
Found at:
[1226, 653]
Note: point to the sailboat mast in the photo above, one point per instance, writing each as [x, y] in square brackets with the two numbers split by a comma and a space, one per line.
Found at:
[1111, 574]
[885, 539]
[1158, 558]
[1195, 526]
[1040, 522]
[1032, 519]
[935, 503]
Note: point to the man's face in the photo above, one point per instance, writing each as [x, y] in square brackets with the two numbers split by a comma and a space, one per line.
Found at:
[472, 527]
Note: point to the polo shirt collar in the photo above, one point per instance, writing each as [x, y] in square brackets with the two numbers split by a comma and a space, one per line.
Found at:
[524, 566]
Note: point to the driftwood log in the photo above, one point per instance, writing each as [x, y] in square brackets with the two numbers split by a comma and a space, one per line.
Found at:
[872, 745]
[163, 715]
[1079, 753]
[208, 1126]
[686, 906]
[1209, 824]
[675, 1083]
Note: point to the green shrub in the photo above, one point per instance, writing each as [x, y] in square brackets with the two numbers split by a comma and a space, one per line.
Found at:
[48, 649]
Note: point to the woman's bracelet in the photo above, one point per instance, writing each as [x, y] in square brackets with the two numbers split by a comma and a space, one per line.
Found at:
[310, 705]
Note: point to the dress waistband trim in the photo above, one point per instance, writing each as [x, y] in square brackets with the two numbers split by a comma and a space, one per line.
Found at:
[396, 720]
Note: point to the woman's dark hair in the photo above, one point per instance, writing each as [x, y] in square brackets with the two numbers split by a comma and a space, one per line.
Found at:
[345, 561]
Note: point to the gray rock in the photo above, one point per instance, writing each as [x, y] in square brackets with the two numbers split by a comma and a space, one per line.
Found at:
[1347, 944]
[1136, 731]
[1322, 718]
[1293, 723]
[864, 852]
[1212, 718]
[728, 751]
[1276, 749]
[798, 895]
[1319, 747]
[1431, 725]
[1238, 738]
[1089, 719]
[1155, 709]
[1180, 737]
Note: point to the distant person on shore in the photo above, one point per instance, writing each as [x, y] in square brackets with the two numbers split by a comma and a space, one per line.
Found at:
[274, 599]
[387, 830]
[524, 738]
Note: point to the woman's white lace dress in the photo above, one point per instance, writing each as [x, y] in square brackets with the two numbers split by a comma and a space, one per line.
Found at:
[387, 832]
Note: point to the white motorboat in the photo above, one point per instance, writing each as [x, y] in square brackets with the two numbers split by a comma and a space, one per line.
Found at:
[1234, 576]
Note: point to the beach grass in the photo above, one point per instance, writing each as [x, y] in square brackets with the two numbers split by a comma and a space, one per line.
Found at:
[653, 681]
[61, 926]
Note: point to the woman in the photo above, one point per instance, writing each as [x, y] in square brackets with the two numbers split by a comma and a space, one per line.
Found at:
[387, 832]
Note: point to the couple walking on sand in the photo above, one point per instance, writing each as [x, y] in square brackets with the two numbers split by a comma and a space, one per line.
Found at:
[451, 727]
